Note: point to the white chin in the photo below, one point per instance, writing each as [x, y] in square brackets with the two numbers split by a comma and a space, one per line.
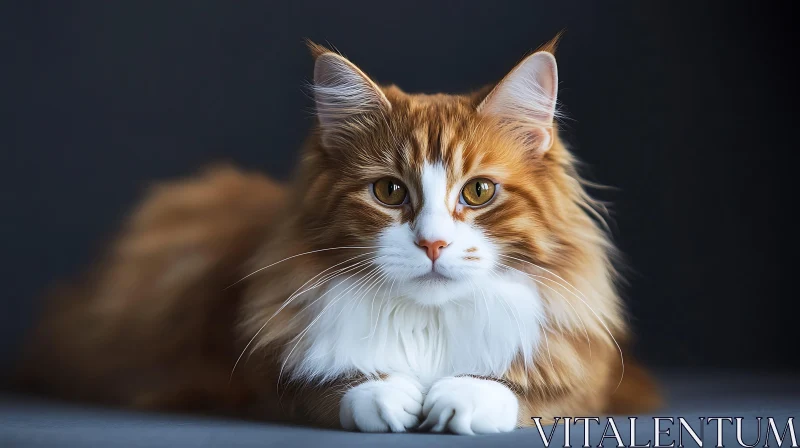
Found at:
[432, 289]
[432, 277]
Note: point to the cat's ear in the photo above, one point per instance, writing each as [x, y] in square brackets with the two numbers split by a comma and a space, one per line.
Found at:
[525, 100]
[342, 91]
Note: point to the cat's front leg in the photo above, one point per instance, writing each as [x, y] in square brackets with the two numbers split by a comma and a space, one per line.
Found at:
[468, 405]
[392, 404]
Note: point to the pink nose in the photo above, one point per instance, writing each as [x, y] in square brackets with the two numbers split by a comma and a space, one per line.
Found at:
[433, 248]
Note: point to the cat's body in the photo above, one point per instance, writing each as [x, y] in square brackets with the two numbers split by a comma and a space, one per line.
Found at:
[349, 299]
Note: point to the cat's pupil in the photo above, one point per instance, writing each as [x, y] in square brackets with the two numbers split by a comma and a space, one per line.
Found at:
[478, 189]
[391, 186]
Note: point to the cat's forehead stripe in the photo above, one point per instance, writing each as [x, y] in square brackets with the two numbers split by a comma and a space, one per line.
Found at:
[456, 162]
[438, 142]
[446, 135]
[421, 143]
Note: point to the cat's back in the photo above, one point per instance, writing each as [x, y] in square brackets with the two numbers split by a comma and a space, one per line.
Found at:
[153, 320]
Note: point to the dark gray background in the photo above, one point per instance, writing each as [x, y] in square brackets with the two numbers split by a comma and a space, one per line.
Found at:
[687, 107]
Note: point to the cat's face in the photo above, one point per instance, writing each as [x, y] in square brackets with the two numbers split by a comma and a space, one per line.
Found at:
[441, 243]
[440, 187]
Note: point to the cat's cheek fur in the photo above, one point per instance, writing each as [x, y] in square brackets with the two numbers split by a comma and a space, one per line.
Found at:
[393, 404]
[466, 405]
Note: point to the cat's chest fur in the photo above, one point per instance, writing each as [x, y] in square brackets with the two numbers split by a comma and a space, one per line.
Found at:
[486, 325]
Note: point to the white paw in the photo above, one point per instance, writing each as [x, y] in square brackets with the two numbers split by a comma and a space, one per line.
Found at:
[394, 404]
[466, 405]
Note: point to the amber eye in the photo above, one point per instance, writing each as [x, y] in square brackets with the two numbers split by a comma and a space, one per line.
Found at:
[390, 191]
[478, 192]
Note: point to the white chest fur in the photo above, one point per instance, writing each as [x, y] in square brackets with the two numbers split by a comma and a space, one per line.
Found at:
[487, 323]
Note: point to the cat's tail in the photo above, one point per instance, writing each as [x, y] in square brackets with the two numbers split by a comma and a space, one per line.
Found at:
[638, 393]
[151, 324]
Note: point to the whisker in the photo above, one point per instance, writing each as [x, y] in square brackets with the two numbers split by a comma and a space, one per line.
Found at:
[338, 272]
[299, 255]
[474, 299]
[375, 276]
[325, 278]
[515, 313]
[599, 319]
[358, 282]
[488, 313]
[378, 316]
[285, 304]
[372, 307]
[508, 307]
[382, 278]
[583, 324]
[547, 342]
[363, 268]
[545, 270]
[299, 337]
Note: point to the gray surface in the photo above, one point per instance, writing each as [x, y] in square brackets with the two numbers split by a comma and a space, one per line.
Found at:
[26, 422]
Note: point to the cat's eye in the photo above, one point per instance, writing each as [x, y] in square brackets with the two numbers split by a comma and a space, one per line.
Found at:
[390, 191]
[478, 192]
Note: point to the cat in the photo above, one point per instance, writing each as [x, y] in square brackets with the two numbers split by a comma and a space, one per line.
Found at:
[435, 265]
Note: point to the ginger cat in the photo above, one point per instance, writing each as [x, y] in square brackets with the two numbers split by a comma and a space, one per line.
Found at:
[435, 265]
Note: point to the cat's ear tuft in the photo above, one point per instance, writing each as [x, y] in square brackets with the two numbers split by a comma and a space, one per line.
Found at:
[552, 45]
[342, 91]
[316, 49]
[525, 100]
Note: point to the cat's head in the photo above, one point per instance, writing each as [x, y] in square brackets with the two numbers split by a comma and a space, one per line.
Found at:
[442, 189]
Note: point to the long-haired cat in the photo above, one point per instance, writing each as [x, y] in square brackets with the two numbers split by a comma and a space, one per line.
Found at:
[435, 265]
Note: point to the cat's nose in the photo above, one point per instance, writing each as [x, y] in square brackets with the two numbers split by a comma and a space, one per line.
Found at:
[433, 248]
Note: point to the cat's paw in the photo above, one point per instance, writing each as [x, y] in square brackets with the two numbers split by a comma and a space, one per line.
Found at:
[466, 405]
[393, 404]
